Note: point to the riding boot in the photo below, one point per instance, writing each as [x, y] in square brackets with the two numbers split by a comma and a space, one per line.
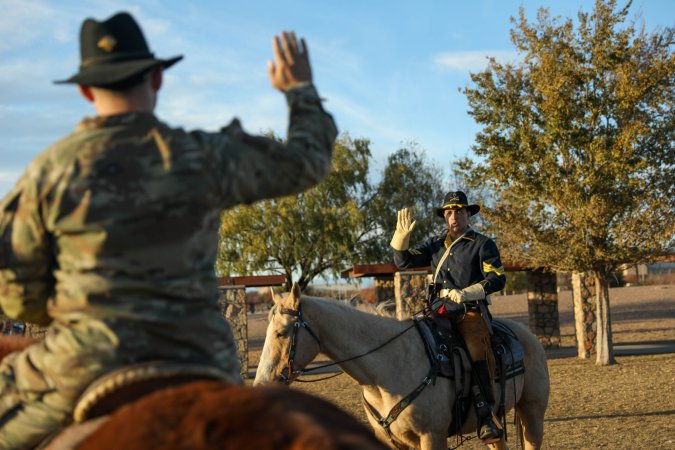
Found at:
[489, 429]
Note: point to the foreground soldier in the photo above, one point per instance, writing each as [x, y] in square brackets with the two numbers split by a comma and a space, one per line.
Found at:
[111, 234]
[466, 268]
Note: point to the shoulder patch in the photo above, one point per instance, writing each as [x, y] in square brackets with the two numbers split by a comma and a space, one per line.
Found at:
[490, 268]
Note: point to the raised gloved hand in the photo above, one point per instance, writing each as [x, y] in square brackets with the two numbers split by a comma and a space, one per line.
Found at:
[468, 294]
[404, 226]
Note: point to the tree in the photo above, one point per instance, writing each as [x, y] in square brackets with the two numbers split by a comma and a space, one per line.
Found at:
[329, 227]
[408, 180]
[576, 146]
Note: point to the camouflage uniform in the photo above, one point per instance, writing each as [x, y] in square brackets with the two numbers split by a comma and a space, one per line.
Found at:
[111, 236]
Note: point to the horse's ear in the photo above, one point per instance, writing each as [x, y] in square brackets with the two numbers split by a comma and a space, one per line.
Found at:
[295, 289]
[274, 297]
[295, 293]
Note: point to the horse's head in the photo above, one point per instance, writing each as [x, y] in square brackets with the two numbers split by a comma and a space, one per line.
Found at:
[290, 344]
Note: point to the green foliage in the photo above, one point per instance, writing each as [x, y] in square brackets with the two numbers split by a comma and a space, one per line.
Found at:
[576, 144]
[408, 180]
[346, 219]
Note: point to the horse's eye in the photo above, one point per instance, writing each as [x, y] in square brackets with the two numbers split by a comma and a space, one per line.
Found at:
[282, 334]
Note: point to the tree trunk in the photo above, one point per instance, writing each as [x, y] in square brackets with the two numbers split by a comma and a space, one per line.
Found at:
[303, 282]
[605, 356]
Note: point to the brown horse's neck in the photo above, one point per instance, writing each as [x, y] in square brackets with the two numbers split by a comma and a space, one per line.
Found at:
[11, 343]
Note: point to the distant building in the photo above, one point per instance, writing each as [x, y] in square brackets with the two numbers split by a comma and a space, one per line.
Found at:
[639, 273]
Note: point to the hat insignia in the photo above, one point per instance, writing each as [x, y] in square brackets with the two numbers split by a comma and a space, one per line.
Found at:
[107, 43]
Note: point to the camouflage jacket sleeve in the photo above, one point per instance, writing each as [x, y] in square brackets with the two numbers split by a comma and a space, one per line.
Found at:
[258, 167]
[26, 279]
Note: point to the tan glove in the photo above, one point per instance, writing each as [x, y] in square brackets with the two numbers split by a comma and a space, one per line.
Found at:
[457, 296]
[404, 226]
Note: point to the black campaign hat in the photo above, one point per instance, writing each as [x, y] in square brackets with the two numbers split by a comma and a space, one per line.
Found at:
[113, 51]
[456, 199]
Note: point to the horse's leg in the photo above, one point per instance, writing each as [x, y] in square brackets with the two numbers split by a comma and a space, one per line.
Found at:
[531, 406]
[531, 417]
[433, 441]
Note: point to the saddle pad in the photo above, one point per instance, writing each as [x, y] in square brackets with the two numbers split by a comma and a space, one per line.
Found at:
[509, 352]
[445, 352]
[130, 383]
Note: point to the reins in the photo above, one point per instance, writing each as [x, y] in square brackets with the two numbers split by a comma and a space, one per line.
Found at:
[300, 323]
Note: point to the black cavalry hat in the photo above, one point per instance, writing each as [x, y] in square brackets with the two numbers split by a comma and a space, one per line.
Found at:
[113, 51]
[457, 199]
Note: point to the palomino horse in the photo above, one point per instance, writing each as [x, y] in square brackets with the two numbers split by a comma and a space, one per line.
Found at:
[387, 358]
[209, 414]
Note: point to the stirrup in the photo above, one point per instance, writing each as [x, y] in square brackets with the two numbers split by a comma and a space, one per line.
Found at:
[490, 431]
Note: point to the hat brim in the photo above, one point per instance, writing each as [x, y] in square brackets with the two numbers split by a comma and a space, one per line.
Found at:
[109, 74]
[473, 210]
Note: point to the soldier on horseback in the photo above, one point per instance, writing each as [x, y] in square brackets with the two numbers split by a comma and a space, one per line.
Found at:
[466, 268]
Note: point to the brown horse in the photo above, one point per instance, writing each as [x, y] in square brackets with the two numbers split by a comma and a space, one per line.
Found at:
[209, 414]
[11, 343]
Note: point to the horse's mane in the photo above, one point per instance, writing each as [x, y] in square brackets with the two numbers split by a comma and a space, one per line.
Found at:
[368, 308]
[383, 309]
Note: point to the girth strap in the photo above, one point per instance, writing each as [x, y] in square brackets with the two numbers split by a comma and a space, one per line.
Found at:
[398, 408]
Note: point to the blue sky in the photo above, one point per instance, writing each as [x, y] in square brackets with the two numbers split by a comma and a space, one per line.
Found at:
[389, 70]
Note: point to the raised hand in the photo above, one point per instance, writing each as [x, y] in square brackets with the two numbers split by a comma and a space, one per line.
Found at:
[290, 67]
[404, 226]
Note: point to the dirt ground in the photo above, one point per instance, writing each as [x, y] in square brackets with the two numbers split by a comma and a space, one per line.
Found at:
[629, 405]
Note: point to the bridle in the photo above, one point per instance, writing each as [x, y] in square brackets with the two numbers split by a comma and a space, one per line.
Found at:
[288, 374]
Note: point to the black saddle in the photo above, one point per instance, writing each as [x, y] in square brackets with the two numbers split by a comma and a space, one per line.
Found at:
[445, 348]
[448, 352]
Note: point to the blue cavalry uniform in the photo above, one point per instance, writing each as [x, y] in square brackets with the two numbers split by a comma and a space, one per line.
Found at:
[466, 271]
[473, 258]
